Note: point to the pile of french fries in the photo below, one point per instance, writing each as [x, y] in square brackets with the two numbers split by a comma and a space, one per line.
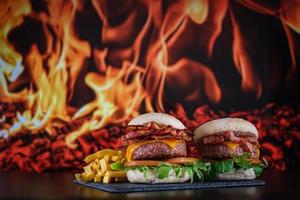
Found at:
[99, 167]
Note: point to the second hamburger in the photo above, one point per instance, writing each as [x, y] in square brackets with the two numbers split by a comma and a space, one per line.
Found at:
[232, 147]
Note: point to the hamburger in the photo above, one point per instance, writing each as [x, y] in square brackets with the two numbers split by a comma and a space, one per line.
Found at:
[156, 150]
[232, 147]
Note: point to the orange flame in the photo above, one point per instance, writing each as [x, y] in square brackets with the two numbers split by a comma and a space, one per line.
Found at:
[287, 10]
[251, 83]
[220, 10]
[134, 59]
[289, 15]
[64, 59]
[186, 72]
[115, 100]
[197, 10]
[11, 15]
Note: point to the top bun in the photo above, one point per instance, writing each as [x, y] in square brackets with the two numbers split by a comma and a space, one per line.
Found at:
[159, 118]
[225, 124]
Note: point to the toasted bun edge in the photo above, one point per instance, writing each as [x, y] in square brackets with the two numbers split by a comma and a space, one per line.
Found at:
[240, 174]
[225, 124]
[159, 118]
[135, 176]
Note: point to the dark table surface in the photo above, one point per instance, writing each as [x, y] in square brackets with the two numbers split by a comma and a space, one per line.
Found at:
[16, 185]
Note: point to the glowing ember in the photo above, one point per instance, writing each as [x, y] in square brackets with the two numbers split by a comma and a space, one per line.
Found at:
[278, 128]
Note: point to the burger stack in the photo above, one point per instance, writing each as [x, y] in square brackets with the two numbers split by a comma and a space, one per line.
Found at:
[156, 150]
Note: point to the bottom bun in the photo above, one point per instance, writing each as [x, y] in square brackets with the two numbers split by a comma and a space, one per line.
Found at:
[135, 176]
[240, 174]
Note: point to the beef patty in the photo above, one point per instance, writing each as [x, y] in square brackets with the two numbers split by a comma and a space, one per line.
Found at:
[220, 151]
[159, 150]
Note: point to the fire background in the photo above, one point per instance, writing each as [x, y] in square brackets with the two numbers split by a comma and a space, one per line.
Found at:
[72, 73]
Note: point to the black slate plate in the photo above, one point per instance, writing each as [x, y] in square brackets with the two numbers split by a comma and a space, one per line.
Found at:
[129, 187]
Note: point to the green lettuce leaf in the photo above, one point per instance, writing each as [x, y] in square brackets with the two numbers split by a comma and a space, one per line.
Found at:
[203, 170]
[223, 166]
[190, 171]
[244, 163]
[178, 171]
[163, 170]
[118, 166]
[237, 162]
[241, 161]
[258, 169]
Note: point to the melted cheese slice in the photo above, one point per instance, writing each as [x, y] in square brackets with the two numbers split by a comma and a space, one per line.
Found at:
[231, 145]
[131, 148]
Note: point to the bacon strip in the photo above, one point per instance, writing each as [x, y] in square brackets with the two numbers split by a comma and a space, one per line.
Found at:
[248, 147]
[134, 133]
[213, 139]
[228, 136]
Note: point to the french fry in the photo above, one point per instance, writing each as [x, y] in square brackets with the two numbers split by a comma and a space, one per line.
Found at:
[100, 154]
[101, 173]
[98, 177]
[95, 166]
[98, 168]
[103, 165]
[106, 179]
[107, 158]
[78, 176]
[116, 158]
[116, 174]
[88, 170]
[87, 177]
